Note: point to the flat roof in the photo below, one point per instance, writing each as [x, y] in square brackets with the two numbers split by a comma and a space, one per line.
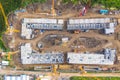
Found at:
[17, 77]
[25, 32]
[29, 56]
[92, 20]
[39, 23]
[106, 58]
[43, 20]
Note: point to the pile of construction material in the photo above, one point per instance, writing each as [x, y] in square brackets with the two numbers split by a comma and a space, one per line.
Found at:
[89, 42]
[54, 40]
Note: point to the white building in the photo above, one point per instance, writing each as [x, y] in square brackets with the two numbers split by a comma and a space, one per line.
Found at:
[19, 77]
[105, 58]
[90, 24]
[110, 29]
[26, 33]
[29, 56]
[5, 63]
[39, 23]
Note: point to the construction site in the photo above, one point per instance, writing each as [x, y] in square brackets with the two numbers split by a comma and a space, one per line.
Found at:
[47, 39]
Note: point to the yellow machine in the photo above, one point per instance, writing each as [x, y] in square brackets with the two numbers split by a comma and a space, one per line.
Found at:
[9, 29]
[9, 54]
[55, 67]
[81, 69]
[84, 72]
[53, 9]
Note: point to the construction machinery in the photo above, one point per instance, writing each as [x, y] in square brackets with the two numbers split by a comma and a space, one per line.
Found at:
[84, 72]
[53, 9]
[8, 54]
[55, 67]
[10, 29]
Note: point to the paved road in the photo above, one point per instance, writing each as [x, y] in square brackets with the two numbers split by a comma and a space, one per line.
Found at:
[62, 76]
[92, 74]
[14, 72]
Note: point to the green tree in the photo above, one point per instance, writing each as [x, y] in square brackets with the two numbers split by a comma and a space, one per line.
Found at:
[110, 3]
[88, 3]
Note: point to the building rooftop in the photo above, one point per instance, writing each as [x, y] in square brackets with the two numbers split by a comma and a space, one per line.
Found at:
[44, 23]
[29, 56]
[105, 58]
[26, 33]
[39, 23]
[86, 24]
[94, 20]
[17, 77]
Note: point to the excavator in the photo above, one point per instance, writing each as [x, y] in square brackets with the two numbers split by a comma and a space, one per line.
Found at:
[8, 54]
[9, 28]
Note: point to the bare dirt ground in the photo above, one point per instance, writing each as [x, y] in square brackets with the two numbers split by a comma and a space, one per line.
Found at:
[66, 13]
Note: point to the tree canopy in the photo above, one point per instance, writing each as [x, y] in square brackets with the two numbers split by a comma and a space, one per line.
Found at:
[106, 3]
[110, 3]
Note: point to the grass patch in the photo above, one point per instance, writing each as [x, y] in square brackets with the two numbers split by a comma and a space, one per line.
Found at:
[2, 46]
[94, 78]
